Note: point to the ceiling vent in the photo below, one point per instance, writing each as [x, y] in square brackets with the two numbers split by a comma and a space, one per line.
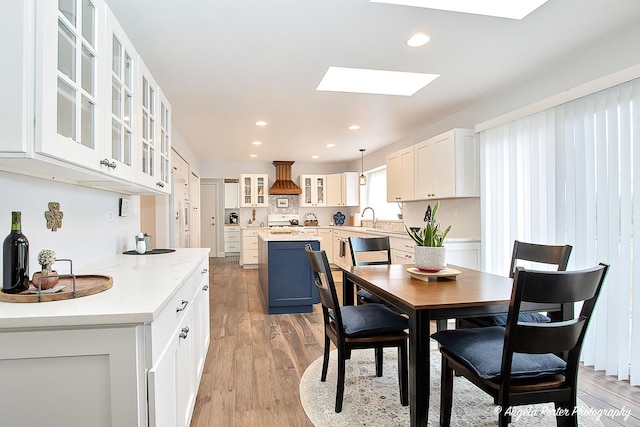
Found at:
[284, 186]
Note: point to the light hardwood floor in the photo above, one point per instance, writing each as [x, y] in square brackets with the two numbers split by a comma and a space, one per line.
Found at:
[255, 360]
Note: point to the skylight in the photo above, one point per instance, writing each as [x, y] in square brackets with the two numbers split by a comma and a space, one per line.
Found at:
[358, 80]
[502, 8]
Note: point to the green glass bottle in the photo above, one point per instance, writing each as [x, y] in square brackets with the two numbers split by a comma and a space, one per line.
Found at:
[15, 258]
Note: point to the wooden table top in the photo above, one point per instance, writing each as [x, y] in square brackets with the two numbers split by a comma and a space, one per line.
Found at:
[471, 288]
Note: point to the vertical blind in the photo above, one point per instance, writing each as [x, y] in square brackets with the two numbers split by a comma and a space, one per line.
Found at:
[566, 175]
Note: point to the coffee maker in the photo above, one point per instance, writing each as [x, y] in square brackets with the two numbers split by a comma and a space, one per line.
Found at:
[233, 218]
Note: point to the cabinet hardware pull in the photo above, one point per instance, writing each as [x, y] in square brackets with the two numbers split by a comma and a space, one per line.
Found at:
[204, 270]
[108, 164]
[205, 287]
[182, 306]
[160, 184]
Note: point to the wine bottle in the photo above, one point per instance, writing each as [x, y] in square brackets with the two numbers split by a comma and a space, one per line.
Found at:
[15, 258]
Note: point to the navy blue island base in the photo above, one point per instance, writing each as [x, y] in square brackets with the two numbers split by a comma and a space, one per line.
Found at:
[285, 276]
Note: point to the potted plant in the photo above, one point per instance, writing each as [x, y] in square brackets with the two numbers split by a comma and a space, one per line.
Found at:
[46, 258]
[429, 251]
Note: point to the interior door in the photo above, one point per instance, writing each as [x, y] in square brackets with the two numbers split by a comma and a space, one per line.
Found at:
[209, 217]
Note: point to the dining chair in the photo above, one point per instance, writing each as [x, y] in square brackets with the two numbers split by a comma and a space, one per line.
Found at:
[369, 251]
[518, 364]
[552, 255]
[357, 327]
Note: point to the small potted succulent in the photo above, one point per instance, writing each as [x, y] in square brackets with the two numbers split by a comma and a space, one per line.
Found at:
[429, 251]
[46, 258]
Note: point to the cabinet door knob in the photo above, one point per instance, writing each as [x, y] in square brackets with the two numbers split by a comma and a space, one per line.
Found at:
[205, 287]
[204, 270]
[184, 332]
[183, 305]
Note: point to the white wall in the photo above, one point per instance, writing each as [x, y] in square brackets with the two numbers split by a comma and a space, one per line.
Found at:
[462, 214]
[85, 236]
[213, 169]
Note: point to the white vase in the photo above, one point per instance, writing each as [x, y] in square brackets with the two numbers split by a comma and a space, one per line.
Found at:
[429, 258]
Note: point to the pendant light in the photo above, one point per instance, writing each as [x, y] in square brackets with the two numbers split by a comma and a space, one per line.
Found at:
[363, 179]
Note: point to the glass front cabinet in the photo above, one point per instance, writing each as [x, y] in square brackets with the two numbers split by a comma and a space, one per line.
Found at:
[70, 60]
[100, 118]
[254, 190]
[313, 190]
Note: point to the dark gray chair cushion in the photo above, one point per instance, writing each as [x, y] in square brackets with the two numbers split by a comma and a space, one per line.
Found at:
[481, 350]
[371, 319]
[501, 319]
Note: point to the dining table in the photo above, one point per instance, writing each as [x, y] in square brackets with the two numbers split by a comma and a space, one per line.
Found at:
[470, 293]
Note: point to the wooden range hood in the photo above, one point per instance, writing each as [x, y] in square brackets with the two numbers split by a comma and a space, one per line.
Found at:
[284, 186]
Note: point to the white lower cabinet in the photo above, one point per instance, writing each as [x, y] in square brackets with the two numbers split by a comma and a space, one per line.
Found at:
[232, 237]
[402, 250]
[89, 377]
[128, 371]
[249, 253]
[178, 356]
[326, 244]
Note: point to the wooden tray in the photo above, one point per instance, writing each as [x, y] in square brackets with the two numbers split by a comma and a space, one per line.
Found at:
[85, 285]
[450, 273]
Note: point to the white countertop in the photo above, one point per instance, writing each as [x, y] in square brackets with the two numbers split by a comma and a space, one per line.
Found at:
[268, 236]
[142, 286]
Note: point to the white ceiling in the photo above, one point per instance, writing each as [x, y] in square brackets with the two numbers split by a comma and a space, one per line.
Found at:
[224, 64]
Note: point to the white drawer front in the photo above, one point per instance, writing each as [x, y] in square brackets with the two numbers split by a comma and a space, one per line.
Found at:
[250, 256]
[250, 243]
[402, 257]
[232, 246]
[232, 237]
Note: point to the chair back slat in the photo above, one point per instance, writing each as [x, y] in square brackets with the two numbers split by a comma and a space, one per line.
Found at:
[539, 338]
[361, 245]
[557, 255]
[554, 337]
[559, 287]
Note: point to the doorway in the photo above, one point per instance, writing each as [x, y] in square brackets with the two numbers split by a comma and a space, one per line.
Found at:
[211, 220]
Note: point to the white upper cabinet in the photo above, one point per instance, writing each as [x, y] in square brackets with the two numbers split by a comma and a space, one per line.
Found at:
[78, 78]
[121, 129]
[231, 195]
[313, 190]
[70, 59]
[154, 143]
[343, 189]
[447, 166]
[253, 188]
[400, 176]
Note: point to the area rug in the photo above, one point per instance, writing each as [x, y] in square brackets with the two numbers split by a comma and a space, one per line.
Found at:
[372, 401]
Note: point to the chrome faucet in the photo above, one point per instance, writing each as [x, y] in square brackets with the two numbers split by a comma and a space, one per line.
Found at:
[373, 213]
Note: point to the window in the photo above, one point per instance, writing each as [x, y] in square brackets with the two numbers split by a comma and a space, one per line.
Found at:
[566, 175]
[374, 195]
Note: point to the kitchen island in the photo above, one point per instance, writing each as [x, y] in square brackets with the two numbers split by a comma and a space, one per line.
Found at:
[284, 271]
[129, 356]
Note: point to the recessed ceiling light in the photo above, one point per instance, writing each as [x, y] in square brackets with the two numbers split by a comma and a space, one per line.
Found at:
[354, 127]
[253, 155]
[418, 39]
[331, 145]
[501, 8]
[256, 143]
[261, 123]
[315, 157]
[358, 80]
